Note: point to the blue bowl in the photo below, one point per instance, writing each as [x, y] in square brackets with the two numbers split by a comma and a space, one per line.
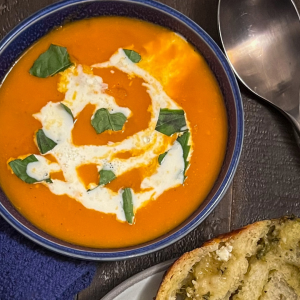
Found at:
[32, 29]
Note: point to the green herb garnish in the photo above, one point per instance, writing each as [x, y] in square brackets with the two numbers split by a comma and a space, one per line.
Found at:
[128, 205]
[56, 59]
[19, 167]
[68, 110]
[183, 141]
[206, 296]
[161, 157]
[106, 176]
[171, 121]
[103, 121]
[132, 55]
[44, 143]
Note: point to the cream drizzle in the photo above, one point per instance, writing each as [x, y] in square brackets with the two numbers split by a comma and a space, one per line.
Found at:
[82, 88]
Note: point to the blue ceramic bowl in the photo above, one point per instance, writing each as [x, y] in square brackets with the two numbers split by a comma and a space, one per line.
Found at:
[30, 30]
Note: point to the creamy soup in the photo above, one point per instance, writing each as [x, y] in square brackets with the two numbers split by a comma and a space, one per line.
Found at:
[113, 131]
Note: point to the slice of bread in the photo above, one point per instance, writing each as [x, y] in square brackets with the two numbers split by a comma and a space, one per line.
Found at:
[258, 262]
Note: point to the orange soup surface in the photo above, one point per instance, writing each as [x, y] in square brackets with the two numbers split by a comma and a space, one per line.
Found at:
[170, 75]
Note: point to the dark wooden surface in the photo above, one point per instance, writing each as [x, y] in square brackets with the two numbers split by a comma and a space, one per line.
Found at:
[267, 181]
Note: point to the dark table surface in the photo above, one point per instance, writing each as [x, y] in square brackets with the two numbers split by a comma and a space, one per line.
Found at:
[267, 181]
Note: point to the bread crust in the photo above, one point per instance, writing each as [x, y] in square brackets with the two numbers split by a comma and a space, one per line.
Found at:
[180, 269]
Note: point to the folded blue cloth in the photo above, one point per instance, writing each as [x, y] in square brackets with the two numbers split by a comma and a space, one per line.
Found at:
[30, 272]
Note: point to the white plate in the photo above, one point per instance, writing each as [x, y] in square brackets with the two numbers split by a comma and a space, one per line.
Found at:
[142, 286]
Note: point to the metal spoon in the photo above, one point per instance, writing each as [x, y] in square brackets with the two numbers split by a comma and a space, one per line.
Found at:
[261, 39]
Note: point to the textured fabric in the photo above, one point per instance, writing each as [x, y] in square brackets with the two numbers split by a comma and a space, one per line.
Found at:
[28, 271]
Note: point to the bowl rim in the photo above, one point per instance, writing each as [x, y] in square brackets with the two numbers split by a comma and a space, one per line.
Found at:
[115, 254]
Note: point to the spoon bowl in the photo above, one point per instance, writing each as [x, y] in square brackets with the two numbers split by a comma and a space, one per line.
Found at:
[261, 39]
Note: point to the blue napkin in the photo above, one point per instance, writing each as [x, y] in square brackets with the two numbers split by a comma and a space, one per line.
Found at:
[30, 272]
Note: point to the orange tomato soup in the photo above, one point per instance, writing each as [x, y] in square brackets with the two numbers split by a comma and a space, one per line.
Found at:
[185, 77]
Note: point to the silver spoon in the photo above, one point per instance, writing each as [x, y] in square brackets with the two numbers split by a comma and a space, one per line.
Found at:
[261, 39]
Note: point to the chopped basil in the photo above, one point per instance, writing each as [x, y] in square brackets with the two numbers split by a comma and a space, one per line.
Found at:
[183, 141]
[132, 55]
[171, 121]
[44, 143]
[206, 296]
[67, 109]
[19, 167]
[128, 205]
[103, 121]
[106, 176]
[56, 59]
[161, 157]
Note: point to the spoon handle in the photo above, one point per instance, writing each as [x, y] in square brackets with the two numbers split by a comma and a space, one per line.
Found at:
[296, 127]
[297, 136]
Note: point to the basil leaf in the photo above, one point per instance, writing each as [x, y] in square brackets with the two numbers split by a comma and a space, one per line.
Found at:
[56, 59]
[103, 121]
[206, 296]
[67, 109]
[44, 143]
[183, 141]
[106, 176]
[128, 205]
[19, 168]
[132, 55]
[170, 121]
[161, 157]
